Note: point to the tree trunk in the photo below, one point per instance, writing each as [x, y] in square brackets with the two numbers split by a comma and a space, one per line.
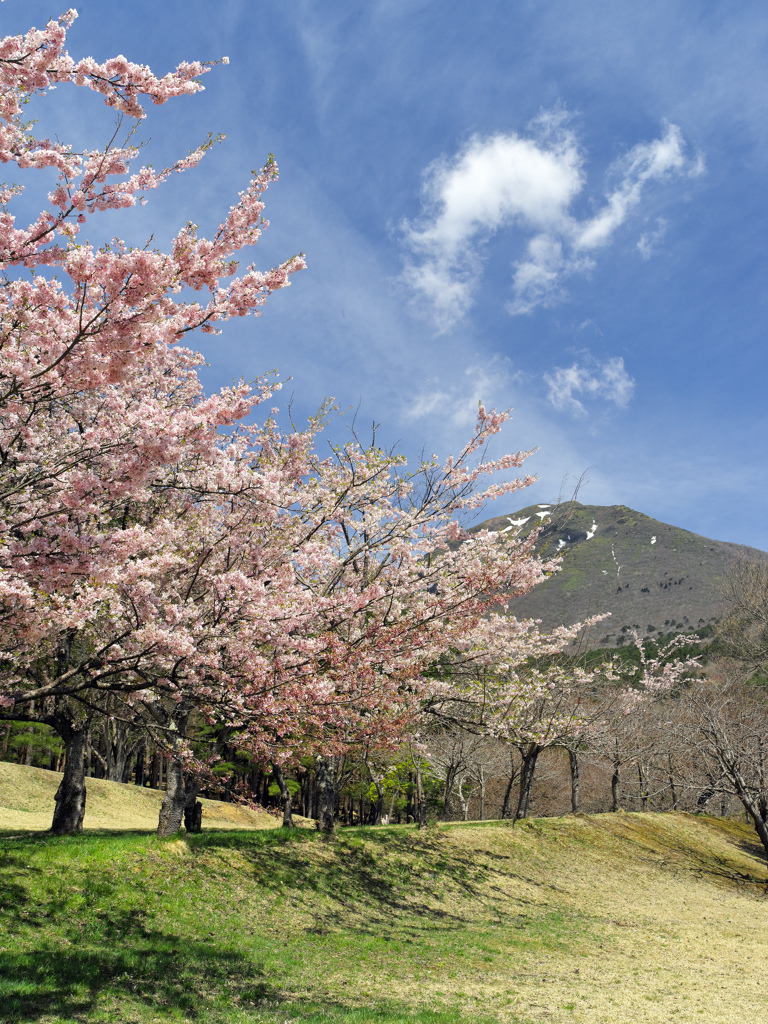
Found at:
[326, 793]
[450, 779]
[482, 794]
[70, 796]
[508, 791]
[733, 773]
[673, 788]
[127, 769]
[140, 766]
[285, 793]
[174, 800]
[154, 778]
[704, 799]
[379, 803]
[526, 780]
[643, 787]
[421, 799]
[615, 780]
[573, 759]
[6, 738]
[193, 809]
[392, 805]
[464, 801]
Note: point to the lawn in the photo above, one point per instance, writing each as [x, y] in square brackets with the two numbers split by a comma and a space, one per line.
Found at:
[602, 919]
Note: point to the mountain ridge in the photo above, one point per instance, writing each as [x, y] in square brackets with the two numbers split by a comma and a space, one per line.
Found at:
[652, 577]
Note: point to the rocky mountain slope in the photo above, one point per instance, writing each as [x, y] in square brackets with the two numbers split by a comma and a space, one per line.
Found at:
[651, 577]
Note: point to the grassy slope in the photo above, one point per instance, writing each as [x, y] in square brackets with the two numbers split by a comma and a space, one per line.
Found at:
[26, 803]
[613, 918]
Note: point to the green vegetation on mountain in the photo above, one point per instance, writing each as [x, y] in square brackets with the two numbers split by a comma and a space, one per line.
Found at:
[650, 576]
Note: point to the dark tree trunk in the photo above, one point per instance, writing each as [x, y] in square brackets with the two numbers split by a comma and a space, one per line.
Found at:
[421, 800]
[377, 809]
[326, 793]
[526, 780]
[704, 799]
[450, 780]
[193, 818]
[127, 769]
[174, 800]
[193, 809]
[379, 804]
[285, 794]
[643, 788]
[140, 766]
[507, 795]
[672, 787]
[70, 796]
[751, 809]
[154, 781]
[615, 781]
[573, 759]
[510, 784]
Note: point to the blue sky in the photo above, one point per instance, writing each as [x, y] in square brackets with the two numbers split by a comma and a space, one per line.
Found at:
[557, 207]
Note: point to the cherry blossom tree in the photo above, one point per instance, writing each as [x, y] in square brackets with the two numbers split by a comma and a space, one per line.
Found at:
[98, 399]
[299, 600]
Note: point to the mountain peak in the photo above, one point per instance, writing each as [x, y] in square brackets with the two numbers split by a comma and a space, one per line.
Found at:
[652, 577]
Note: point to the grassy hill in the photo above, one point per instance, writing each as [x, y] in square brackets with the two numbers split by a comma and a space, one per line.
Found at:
[611, 918]
[650, 576]
[26, 803]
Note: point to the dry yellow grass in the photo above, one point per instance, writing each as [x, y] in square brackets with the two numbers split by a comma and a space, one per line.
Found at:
[657, 918]
[609, 919]
[26, 802]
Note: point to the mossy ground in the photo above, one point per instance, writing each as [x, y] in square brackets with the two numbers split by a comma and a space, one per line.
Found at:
[612, 918]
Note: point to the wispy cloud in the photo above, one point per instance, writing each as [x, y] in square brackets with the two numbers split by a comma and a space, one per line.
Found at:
[530, 184]
[457, 403]
[608, 380]
[650, 239]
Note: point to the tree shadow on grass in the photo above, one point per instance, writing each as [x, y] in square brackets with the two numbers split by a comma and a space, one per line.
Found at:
[127, 966]
[363, 888]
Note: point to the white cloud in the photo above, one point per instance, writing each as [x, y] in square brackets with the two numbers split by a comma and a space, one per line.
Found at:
[649, 239]
[530, 184]
[458, 405]
[608, 380]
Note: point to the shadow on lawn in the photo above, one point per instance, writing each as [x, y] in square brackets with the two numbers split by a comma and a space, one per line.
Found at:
[130, 965]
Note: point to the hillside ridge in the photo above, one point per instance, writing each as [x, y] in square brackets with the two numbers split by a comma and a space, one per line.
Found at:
[652, 577]
[627, 918]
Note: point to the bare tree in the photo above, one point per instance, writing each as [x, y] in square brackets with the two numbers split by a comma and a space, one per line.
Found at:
[450, 753]
[730, 738]
[743, 627]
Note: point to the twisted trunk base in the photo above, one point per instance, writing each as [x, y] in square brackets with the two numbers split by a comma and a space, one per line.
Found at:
[193, 809]
[526, 780]
[70, 796]
[174, 801]
[285, 795]
[326, 793]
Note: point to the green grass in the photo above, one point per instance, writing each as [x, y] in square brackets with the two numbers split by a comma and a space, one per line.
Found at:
[556, 919]
[233, 926]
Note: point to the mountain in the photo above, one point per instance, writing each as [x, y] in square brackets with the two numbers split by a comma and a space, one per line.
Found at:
[651, 577]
